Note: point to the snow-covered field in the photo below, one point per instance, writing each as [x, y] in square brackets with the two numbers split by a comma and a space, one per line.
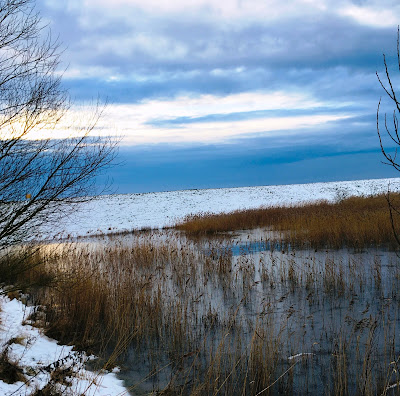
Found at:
[113, 213]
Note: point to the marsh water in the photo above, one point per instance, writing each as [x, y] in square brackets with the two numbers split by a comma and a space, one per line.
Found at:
[244, 313]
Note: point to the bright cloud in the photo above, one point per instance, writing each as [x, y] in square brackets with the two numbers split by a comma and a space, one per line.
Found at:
[209, 104]
[372, 12]
[134, 122]
[220, 132]
[373, 16]
[235, 9]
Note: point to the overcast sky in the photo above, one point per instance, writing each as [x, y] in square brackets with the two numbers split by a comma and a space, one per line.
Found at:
[210, 93]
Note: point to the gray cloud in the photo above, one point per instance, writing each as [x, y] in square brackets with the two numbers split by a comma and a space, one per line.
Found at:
[153, 56]
[148, 44]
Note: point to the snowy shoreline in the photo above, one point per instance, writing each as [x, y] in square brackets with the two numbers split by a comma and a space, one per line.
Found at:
[126, 212]
[37, 356]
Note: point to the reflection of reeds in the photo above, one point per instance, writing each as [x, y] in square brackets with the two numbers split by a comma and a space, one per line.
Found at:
[198, 319]
[355, 222]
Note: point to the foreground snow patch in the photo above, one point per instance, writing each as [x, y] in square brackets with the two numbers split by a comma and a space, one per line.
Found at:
[38, 356]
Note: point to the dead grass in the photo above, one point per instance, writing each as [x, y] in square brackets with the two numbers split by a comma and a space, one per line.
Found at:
[10, 372]
[355, 222]
[23, 268]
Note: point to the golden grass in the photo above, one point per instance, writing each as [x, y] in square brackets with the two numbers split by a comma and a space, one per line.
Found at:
[355, 222]
[156, 298]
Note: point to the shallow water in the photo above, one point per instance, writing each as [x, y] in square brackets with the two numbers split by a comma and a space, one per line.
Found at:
[321, 321]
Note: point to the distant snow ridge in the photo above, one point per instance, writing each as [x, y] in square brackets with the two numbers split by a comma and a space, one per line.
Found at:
[114, 213]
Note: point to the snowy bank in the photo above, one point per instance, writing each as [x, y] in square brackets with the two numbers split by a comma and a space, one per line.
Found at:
[38, 358]
[125, 212]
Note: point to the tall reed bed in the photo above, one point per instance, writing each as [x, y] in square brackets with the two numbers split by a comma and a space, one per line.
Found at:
[355, 222]
[195, 318]
[200, 318]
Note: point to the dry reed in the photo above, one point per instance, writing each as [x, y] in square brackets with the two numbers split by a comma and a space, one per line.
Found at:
[193, 318]
[355, 222]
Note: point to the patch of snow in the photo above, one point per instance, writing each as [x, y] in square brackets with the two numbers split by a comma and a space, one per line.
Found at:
[391, 387]
[37, 355]
[300, 355]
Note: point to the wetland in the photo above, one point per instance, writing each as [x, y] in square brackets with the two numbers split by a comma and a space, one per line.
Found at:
[239, 312]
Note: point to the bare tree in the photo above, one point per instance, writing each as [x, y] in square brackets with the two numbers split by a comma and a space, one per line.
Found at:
[41, 174]
[390, 140]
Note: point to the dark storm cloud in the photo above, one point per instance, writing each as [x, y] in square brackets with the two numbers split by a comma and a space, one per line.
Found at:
[167, 167]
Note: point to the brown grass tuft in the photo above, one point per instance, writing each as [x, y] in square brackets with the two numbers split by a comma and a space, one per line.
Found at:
[10, 372]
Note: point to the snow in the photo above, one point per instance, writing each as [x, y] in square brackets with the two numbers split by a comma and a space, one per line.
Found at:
[125, 212]
[300, 355]
[36, 354]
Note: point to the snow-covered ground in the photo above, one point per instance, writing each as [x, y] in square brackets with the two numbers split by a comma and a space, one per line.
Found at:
[113, 213]
[38, 355]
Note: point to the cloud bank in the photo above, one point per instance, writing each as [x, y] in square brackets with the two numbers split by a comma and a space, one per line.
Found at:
[295, 80]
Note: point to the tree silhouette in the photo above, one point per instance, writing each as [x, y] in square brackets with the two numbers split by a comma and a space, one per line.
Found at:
[41, 174]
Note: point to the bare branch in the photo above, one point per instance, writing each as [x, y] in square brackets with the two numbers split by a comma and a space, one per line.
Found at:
[393, 134]
[56, 173]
